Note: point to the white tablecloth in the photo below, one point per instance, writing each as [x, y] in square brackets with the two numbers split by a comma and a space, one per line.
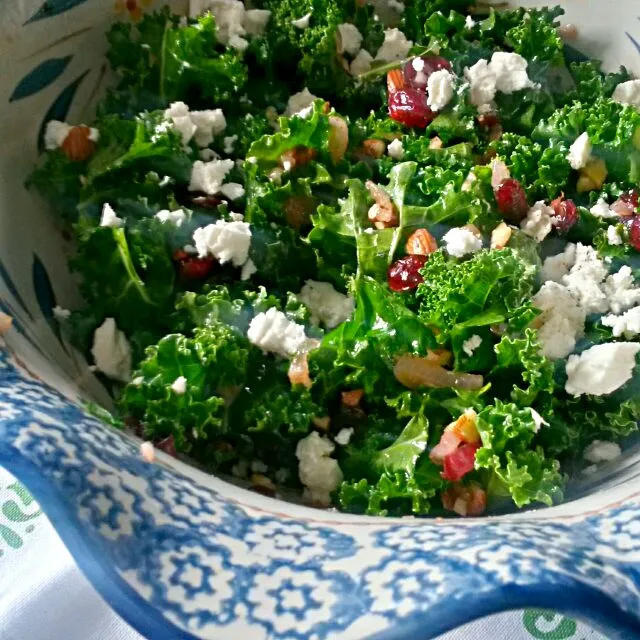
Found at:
[37, 574]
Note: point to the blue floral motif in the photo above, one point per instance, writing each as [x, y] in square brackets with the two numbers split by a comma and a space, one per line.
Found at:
[52, 8]
[183, 560]
[40, 77]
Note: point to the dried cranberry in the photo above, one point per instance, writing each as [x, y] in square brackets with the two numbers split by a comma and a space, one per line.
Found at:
[168, 445]
[565, 214]
[192, 267]
[409, 106]
[634, 233]
[404, 274]
[630, 197]
[512, 200]
[430, 64]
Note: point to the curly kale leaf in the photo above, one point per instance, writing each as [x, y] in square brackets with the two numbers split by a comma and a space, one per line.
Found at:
[519, 469]
[591, 83]
[491, 287]
[160, 61]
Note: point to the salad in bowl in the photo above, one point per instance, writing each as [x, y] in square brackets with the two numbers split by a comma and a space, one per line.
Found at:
[384, 257]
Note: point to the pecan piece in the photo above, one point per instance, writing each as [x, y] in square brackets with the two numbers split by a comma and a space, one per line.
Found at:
[421, 243]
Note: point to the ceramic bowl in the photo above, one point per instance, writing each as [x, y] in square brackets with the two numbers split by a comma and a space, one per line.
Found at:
[181, 554]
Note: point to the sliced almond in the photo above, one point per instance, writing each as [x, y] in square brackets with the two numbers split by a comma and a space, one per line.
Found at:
[338, 138]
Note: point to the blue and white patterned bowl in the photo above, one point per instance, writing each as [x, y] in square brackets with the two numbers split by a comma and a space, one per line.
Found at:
[180, 554]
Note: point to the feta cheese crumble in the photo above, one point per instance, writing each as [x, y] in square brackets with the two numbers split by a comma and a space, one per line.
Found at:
[627, 324]
[230, 18]
[109, 217]
[60, 314]
[225, 241]
[628, 93]
[580, 152]
[361, 63]
[248, 269]
[601, 369]
[300, 103]
[229, 143]
[469, 22]
[602, 451]
[538, 420]
[202, 126]
[176, 217]
[209, 176]
[555, 267]
[601, 209]
[327, 306]
[538, 224]
[111, 351]
[440, 89]
[273, 331]
[460, 242]
[349, 39]
[613, 235]
[506, 72]
[302, 23]
[179, 385]
[395, 149]
[320, 474]
[620, 289]
[395, 46]
[343, 437]
[470, 345]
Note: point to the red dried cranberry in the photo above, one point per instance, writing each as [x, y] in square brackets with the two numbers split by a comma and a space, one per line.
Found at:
[630, 197]
[409, 106]
[634, 233]
[431, 64]
[192, 267]
[512, 200]
[404, 274]
[565, 214]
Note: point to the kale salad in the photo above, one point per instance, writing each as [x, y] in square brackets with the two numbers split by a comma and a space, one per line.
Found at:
[384, 255]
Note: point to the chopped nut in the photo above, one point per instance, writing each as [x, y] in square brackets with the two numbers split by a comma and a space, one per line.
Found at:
[78, 145]
[383, 213]
[421, 243]
[298, 209]
[473, 229]
[465, 501]
[263, 485]
[296, 157]
[352, 398]
[322, 423]
[395, 80]
[435, 143]
[299, 370]
[373, 148]
[500, 236]
[147, 452]
[338, 138]
[592, 176]
[5, 323]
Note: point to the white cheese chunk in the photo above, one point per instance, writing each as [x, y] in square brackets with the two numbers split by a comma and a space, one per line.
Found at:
[299, 102]
[601, 209]
[179, 385]
[230, 20]
[580, 152]
[470, 345]
[538, 420]
[55, 133]
[460, 242]
[361, 63]
[255, 21]
[60, 314]
[327, 306]
[232, 190]
[273, 331]
[628, 93]
[349, 39]
[229, 143]
[302, 23]
[440, 89]
[202, 126]
[109, 217]
[320, 474]
[627, 324]
[176, 217]
[602, 451]
[111, 351]
[248, 269]
[555, 267]
[395, 149]
[538, 224]
[395, 46]
[620, 289]
[209, 176]
[613, 235]
[601, 369]
[469, 22]
[343, 436]
[225, 241]
[585, 278]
